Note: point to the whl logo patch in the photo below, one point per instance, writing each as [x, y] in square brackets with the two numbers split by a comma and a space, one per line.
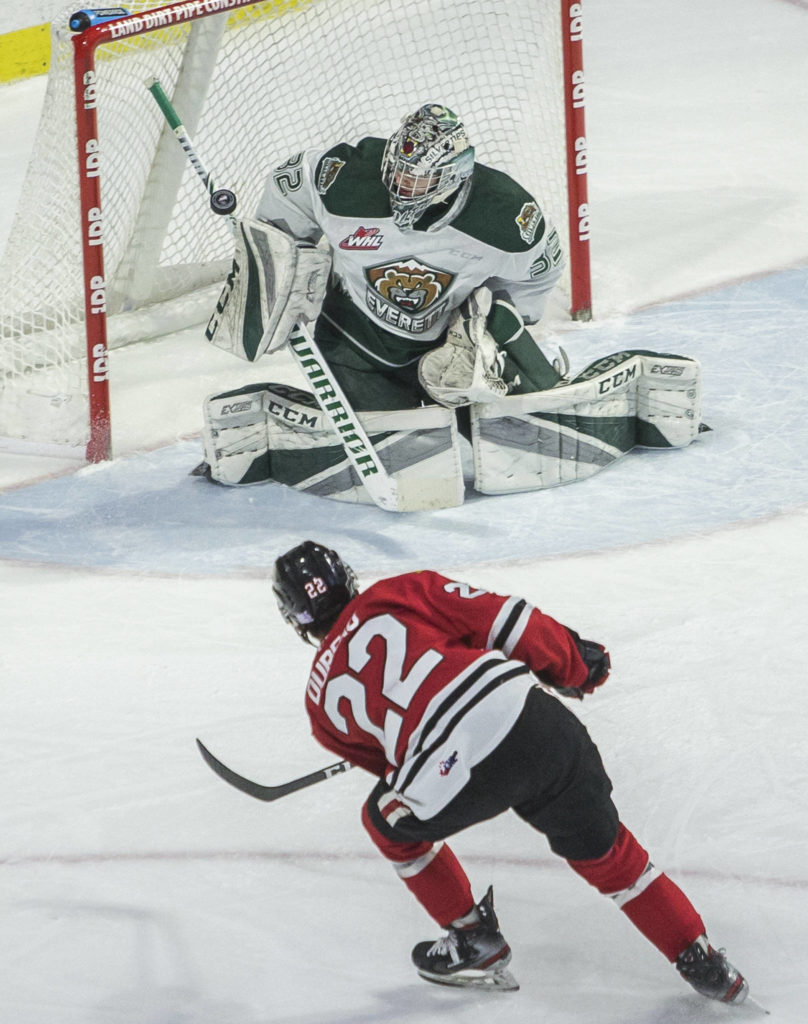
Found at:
[363, 238]
[446, 766]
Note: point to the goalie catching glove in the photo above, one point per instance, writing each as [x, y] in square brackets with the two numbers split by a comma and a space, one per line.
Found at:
[274, 282]
[468, 367]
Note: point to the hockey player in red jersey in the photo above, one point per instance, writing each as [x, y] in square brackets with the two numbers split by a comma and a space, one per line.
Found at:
[438, 689]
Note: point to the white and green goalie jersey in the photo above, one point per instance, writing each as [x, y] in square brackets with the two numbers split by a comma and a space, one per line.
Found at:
[408, 282]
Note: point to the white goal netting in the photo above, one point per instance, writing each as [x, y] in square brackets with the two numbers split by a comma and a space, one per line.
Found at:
[252, 87]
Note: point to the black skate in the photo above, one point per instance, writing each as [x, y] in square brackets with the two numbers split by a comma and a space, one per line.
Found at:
[473, 957]
[711, 974]
[203, 469]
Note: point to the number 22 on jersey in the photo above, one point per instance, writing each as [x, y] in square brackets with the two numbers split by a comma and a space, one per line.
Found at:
[388, 667]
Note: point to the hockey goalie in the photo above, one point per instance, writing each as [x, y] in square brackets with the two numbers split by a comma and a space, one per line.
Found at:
[420, 270]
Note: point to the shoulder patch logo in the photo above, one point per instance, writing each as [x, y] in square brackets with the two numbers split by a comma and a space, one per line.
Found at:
[446, 766]
[329, 169]
[363, 238]
[528, 221]
[407, 294]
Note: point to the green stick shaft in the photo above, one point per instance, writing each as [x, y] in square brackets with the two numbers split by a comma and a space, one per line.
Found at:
[174, 123]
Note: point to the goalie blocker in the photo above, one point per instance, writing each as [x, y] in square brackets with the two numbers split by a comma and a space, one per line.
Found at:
[274, 281]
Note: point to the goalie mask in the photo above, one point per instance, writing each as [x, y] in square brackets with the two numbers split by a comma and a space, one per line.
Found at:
[425, 162]
[312, 585]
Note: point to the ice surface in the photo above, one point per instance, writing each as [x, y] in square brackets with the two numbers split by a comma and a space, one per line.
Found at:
[137, 887]
[145, 513]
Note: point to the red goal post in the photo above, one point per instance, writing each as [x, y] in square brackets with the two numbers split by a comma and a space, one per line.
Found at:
[511, 108]
[85, 44]
[577, 161]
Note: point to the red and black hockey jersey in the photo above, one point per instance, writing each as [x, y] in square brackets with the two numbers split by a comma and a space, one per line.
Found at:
[422, 677]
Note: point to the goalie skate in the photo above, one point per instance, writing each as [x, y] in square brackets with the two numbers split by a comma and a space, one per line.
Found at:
[474, 957]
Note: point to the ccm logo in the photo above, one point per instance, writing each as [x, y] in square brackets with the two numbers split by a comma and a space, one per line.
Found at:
[224, 298]
[617, 379]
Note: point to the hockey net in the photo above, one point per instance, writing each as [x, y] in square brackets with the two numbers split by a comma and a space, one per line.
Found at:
[253, 83]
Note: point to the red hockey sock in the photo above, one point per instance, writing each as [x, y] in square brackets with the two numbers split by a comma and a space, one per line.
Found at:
[665, 916]
[439, 883]
[430, 871]
[654, 904]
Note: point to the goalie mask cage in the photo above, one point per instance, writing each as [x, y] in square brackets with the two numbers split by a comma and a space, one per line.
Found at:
[112, 240]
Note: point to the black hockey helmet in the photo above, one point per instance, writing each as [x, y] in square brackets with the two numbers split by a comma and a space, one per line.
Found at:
[312, 585]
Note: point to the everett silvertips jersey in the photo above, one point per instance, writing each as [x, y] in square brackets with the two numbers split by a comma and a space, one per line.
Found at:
[408, 282]
[422, 676]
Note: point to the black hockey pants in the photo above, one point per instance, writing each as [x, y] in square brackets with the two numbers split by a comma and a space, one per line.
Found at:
[547, 769]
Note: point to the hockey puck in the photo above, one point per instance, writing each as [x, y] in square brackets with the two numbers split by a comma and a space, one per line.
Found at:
[80, 21]
[223, 201]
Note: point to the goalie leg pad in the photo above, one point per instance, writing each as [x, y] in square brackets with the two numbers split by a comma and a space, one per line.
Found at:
[274, 281]
[275, 432]
[630, 399]
[420, 446]
[238, 426]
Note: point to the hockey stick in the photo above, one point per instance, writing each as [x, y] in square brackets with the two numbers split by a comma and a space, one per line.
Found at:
[389, 494]
[268, 793]
[222, 200]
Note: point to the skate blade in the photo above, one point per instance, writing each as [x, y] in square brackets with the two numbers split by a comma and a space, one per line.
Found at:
[753, 1004]
[500, 981]
[740, 994]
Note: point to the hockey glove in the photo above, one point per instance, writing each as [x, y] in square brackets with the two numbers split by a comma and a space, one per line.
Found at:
[467, 368]
[598, 664]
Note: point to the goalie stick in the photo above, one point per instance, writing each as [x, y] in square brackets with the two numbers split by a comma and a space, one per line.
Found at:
[389, 494]
[268, 793]
[222, 200]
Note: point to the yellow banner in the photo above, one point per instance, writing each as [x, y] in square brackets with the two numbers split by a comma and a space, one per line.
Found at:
[25, 53]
